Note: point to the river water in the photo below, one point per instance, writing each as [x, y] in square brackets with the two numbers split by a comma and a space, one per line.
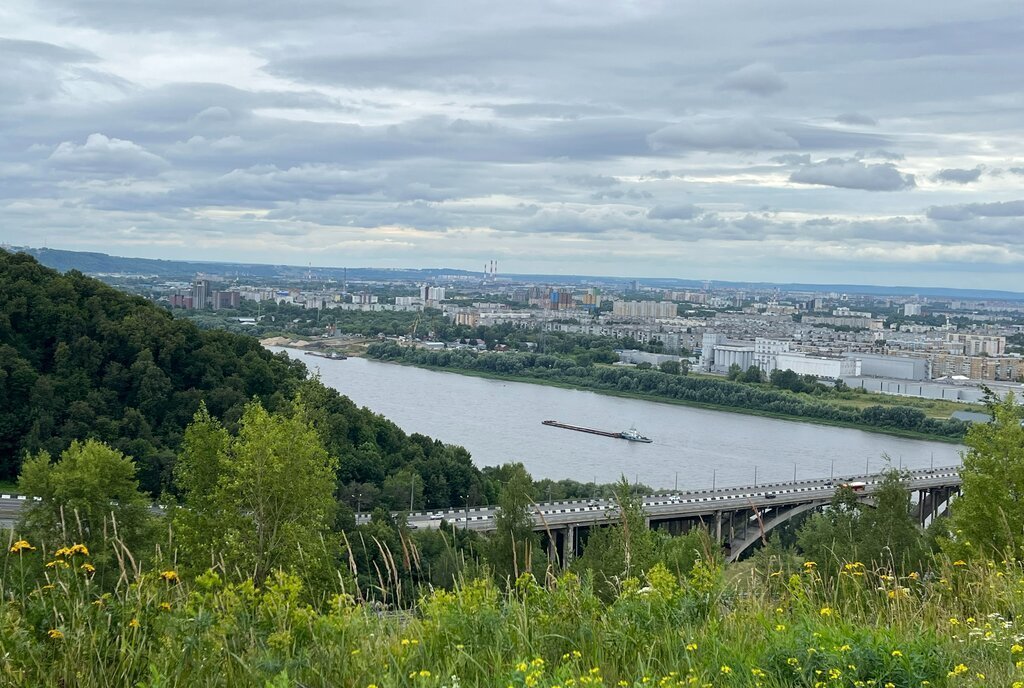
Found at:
[500, 421]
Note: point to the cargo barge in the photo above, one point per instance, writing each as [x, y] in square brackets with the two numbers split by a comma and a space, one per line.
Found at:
[631, 435]
[331, 355]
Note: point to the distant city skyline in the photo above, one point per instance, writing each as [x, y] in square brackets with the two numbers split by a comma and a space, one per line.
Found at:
[865, 143]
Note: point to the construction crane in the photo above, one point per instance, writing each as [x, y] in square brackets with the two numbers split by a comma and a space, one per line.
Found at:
[412, 330]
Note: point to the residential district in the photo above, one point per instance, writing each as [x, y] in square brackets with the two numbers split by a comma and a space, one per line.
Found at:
[931, 347]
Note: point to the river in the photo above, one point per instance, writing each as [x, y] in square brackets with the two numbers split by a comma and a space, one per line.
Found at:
[500, 421]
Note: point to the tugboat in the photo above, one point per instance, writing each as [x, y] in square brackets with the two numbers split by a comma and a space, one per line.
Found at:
[633, 436]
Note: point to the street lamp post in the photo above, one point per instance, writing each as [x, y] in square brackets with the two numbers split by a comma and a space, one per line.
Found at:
[359, 502]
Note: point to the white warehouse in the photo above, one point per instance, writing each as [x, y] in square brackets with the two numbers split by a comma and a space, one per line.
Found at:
[819, 366]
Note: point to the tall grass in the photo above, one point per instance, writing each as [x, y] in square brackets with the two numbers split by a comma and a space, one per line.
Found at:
[863, 627]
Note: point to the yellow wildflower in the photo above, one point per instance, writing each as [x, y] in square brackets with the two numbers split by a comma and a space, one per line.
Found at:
[57, 563]
[826, 611]
[165, 606]
[22, 546]
[897, 653]
[959, 562]
[809, 565]
[691, 647]
[780, 627]
[958, 670]
[134, 623]
[79, 549]
[1016, 649]
[725, 669]
[55, 634]
[169, 576]
[88, 568]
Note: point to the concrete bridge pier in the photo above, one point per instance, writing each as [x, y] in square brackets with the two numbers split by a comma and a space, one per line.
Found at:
[561, 545]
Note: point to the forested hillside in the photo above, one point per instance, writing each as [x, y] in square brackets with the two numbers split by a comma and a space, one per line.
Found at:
[81, 360]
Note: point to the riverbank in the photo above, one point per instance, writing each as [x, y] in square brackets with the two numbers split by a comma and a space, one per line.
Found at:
[640, 396]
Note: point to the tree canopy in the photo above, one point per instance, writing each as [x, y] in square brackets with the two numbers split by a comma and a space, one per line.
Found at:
[80, 360]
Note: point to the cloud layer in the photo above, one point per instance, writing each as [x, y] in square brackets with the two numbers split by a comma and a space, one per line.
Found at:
[706, 141]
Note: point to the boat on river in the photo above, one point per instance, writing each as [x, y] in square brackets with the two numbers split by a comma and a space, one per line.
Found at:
[630, 435]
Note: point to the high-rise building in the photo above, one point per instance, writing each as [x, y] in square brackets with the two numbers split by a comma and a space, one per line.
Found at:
[200, 293]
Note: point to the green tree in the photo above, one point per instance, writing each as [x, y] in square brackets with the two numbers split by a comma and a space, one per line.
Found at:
[670, 367]
[889, 534]
[514, 546]
[268, 489]
[752, 374]
[624, 550]
[989, 515]
[735, 371]
[829, 538]
[89, 496]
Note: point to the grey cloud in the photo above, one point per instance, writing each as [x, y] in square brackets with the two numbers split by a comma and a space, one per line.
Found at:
[853, 174]
[547, 110]
[958, 176]
[657, 174]
[741, 133]
[46, 52]
[103, 155]
[758, 78]
[620, 194]
[971, 211]
[856, 119]
[1017, 170]
[674, 212]
[792, 159]
[593, 180]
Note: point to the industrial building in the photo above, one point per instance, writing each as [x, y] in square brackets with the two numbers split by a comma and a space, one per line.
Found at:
[896, 367]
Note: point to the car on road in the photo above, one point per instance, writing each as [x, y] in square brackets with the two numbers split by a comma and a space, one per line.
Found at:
[769, 495]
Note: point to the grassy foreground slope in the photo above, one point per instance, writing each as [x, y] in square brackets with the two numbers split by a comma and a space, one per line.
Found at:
[862, 628]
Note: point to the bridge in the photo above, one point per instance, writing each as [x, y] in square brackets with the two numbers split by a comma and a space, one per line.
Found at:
[738, 517]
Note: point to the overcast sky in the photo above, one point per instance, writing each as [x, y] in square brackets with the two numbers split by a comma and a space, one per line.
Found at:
[870, 142]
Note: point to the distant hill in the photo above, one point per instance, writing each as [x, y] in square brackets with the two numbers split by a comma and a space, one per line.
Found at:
[80, 359]
[103, 264]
